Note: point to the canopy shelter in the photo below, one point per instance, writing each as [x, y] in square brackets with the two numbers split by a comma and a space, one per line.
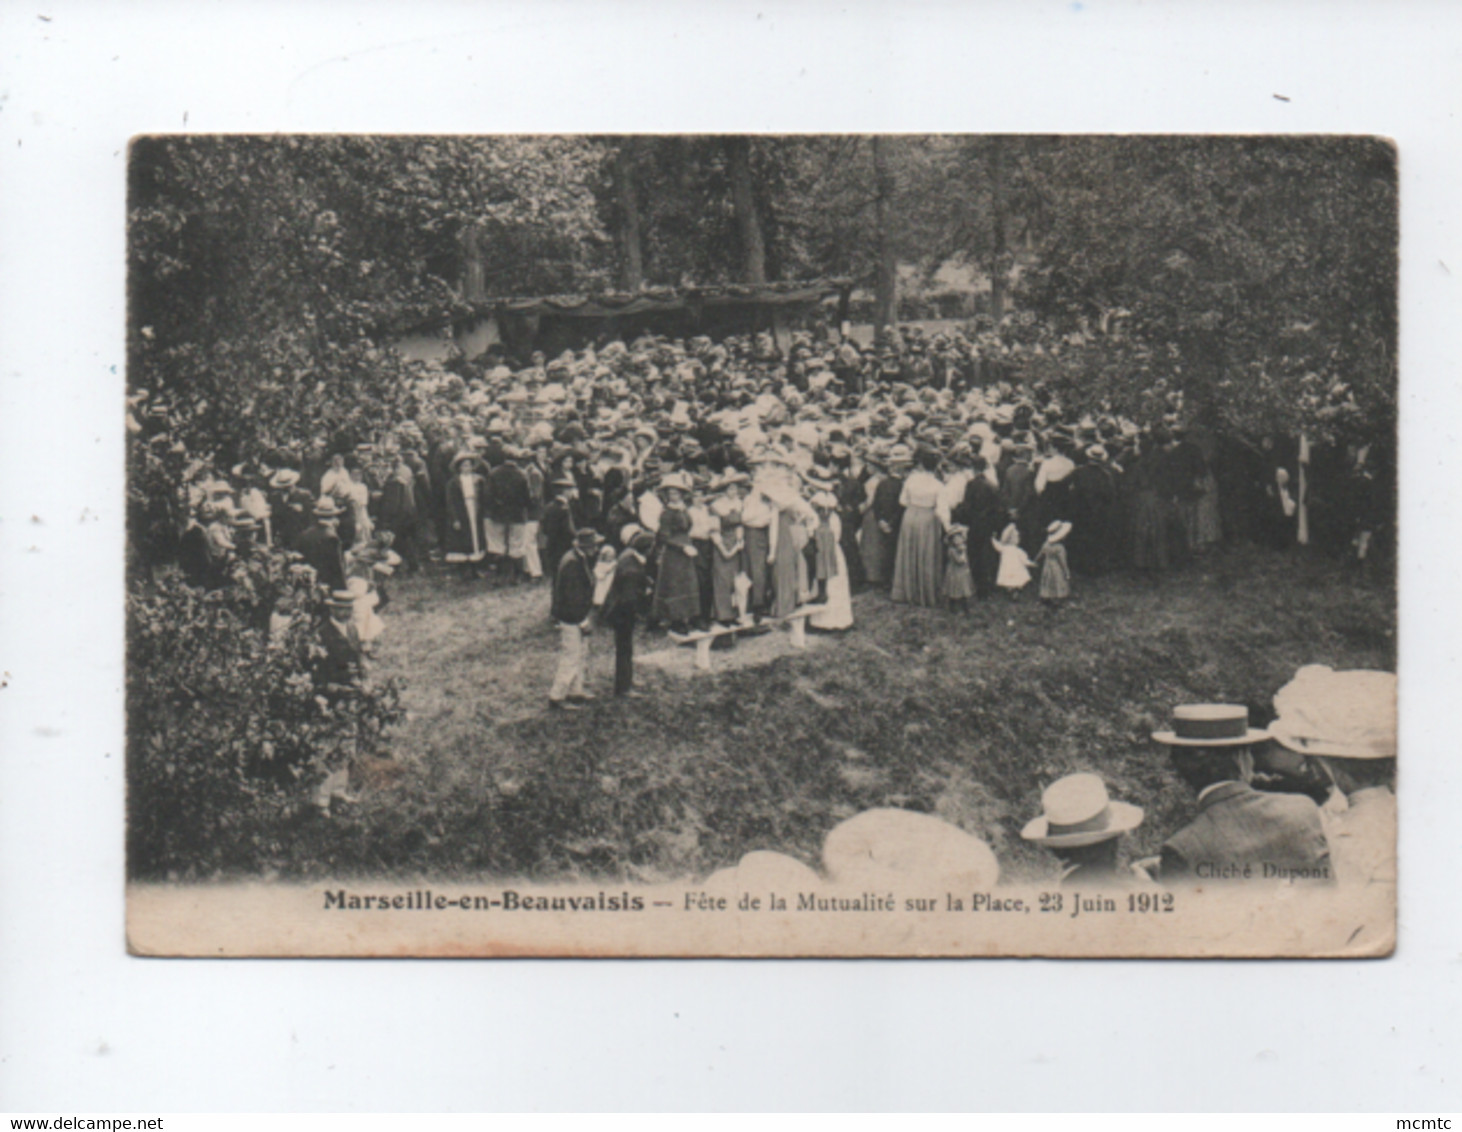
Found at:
[564, 322]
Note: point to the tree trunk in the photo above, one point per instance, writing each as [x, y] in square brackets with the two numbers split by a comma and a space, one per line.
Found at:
[885, 303]
[1000, 271]
[632, 267]
[474, 265]
[743, 199]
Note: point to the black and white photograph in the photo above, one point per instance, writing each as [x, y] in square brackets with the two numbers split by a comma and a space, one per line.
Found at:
[769, 544]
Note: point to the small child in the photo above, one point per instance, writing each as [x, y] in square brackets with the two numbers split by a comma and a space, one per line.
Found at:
[377, 561]
[824, 546]
[1015, 567]
[1055, 573]
[959, 586]
[728, 563]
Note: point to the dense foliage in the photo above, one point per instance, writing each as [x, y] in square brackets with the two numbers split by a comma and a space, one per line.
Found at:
[263, 271]
[228, 731]
[1255, 274]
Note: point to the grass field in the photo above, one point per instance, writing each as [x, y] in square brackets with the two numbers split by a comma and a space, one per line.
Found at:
[967, 717]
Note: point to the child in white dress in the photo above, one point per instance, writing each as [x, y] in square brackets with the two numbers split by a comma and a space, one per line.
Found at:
[1015, 566]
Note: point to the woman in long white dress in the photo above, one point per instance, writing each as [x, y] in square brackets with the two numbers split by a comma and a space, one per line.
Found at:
[838, 611]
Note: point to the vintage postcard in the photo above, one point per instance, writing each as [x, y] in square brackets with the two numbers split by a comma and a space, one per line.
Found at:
[724, 545]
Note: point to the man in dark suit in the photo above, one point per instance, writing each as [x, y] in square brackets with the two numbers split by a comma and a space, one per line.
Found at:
[562, 518]
[1239, 834]
[289, 507]
[888, 513]
[1094, 514]
[980, 510]
[1018, 498]
[573, 605]
[506, 507]
[628, 593]
[319, 545]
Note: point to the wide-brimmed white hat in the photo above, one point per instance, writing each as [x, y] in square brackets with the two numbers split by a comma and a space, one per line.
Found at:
[729, 478]
[886, 847]
[1347, 715]
[1079, 812]
[763, 871]
[1211, 725]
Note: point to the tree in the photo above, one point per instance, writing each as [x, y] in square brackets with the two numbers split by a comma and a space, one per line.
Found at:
[743, 198]
[632, 270]
[886, 288]
[999, 269]
[264, 270]
[1253, 275]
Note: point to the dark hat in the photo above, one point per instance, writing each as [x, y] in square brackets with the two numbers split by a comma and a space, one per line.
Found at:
[587, 537]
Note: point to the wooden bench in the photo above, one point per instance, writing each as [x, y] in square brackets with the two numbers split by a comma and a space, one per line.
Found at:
[702, 638]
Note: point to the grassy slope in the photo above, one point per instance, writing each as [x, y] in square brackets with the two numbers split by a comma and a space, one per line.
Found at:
[967, 717]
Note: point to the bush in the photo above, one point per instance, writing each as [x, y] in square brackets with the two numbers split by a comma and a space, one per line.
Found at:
[228, 735]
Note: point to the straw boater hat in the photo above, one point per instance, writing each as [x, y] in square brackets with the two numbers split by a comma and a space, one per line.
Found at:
[285, 477]
[1078, 812]
[564, 481]
[676, 481]
[1211, 725]
[340, 599]
[462, 457]
[325, 508]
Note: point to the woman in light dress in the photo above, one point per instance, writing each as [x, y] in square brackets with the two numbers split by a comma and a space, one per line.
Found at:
[918, 571]
[837, 603]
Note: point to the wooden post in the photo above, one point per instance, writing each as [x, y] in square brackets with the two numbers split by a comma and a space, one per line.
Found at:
[781, 333]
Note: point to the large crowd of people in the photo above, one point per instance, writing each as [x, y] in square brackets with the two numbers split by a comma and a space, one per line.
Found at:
[729, 484]
[722, 488]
